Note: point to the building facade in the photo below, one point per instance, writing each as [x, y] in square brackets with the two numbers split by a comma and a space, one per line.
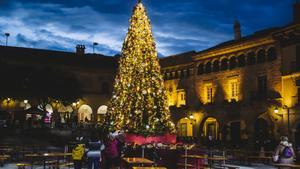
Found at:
[63, 83]
[243, 89]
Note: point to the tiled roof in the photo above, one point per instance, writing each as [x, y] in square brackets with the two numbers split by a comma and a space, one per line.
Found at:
[42, 56]
[179, 59]
[256, 35]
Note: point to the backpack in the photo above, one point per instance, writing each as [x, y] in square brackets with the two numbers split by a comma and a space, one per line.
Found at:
[78, 152]
[287, 152]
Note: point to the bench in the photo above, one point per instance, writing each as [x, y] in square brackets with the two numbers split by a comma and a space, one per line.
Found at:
[62, 165]
[23, 165]
[286, 165]
[185, 165]
[231, 166]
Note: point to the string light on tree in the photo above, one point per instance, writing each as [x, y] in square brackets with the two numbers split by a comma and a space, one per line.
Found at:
[138, 95]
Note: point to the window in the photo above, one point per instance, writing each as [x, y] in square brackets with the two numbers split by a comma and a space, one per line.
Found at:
[232, 62]
[216, 66]
[234, 90]
[241, 60]
[200, 69]
[209, 93]
[261, 56]
[181, 99]
[224, 64]
[208, 67]
[272, 54]
[262, 86]
[188, 72]
[181, 74]
[183, 129]
[251, 58]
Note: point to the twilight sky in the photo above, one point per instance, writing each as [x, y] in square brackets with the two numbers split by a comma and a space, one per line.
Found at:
[178, 25]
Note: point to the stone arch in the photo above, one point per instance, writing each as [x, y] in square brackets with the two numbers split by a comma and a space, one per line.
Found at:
[210, 126]
[177, 74]
[271, 54]
[232, 62]
[241, 60]
[85, 113]
[208, 67]
[224, 64]
[261, 56]
[216, 66]
[251, 59]
[200, 69]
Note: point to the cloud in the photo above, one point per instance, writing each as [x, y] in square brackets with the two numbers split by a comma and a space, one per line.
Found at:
[178, 26]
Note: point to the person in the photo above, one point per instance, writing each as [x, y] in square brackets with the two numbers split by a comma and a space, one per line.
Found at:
[95, 147]
[111, 152]
[284, 153]
[78, 153]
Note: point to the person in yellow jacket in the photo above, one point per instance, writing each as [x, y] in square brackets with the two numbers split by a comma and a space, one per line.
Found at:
[77, 155]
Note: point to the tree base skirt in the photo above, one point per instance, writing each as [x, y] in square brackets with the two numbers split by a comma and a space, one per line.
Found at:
[139, 139]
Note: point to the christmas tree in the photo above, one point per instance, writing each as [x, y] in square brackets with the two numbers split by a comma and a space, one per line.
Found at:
[139, 102]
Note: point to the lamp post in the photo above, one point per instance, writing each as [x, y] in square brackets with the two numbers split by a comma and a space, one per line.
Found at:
[276, 111]
[94, 44]
[6, 38]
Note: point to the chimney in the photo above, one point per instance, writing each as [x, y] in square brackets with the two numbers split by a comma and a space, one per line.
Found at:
[80, 50]
[237, 30]
[297, 12]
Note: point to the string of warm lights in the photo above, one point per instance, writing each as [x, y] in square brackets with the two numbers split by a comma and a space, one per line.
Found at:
[139, 103]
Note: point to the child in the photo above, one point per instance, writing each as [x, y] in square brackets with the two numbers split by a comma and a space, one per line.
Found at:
[77, 154]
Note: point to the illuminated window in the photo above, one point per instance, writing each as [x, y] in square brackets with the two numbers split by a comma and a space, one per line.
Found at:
[209, 94]
[183, 129]
[181, 98]
[234, 90]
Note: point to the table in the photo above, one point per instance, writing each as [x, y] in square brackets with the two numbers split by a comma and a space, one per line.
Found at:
[261, 158]
[204, 157]
[137, 161]
[149, 168]
[6, 149]
[45, 155]
[286, 165]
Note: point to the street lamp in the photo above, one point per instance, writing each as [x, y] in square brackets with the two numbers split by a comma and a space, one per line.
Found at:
[6, 37]
[94, 44]
[276, 111]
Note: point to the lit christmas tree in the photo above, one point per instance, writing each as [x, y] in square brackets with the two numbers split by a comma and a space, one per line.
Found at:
[139, 102]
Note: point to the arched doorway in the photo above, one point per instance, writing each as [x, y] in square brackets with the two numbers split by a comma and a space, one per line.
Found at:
[297, 135]
[101, 112]
[85, 113]
[211, 127]
[185, 127]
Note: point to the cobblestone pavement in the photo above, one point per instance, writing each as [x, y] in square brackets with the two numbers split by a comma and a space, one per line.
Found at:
[258, 166]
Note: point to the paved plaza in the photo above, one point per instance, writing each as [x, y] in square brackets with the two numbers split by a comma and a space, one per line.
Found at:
[258, 166]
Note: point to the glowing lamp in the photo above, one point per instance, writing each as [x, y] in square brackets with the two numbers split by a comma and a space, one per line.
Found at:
[276, 110]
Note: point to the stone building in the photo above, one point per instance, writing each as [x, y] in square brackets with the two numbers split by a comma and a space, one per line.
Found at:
[30, 73]
[243, 89]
